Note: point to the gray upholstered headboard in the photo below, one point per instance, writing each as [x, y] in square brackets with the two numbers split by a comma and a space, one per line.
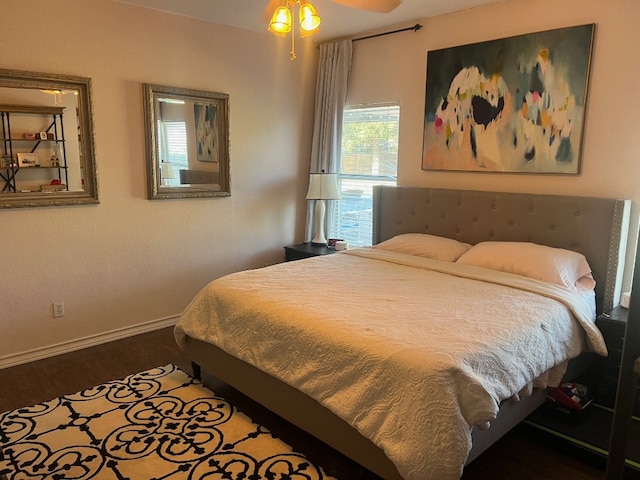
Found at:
[595, 227]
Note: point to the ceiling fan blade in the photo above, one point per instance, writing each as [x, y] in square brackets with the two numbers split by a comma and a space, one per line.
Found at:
[269, 9]
[380, 6]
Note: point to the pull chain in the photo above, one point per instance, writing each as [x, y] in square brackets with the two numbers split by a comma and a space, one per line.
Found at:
[293, 33]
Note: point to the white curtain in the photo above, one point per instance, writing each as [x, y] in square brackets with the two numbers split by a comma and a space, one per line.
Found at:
[332, 83]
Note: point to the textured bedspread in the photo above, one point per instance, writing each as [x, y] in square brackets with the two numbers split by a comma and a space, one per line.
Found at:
[412, 352]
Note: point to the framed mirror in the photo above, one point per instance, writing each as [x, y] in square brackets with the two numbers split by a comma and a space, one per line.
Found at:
[47, 156]
[187, 142]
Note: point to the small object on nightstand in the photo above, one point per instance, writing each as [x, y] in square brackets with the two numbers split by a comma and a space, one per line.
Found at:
[624, 299]
[341, 245]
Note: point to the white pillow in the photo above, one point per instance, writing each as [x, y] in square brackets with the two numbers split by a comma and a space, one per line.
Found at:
[553, 265]
[425, 245]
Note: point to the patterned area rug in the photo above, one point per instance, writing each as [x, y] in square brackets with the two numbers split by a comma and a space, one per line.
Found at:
[155, 425]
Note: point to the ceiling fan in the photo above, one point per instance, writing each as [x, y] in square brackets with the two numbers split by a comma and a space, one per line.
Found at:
[279, 15]
[378, 6]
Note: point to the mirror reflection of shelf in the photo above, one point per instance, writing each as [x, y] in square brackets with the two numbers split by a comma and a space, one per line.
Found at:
[38, 167]
[31, 99]
[16, 146]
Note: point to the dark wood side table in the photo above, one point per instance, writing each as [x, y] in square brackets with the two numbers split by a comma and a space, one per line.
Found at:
[306, 250]
[605, 370]
[592, 432]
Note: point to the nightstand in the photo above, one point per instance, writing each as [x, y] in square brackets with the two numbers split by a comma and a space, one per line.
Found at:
[306, 250]
[606, 369]
[592, 432]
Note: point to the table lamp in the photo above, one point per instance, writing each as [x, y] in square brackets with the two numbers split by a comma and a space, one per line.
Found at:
[167, 172]
[322, 186]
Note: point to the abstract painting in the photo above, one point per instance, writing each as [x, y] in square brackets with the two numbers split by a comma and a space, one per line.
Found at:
[510, 105]
[206, 118]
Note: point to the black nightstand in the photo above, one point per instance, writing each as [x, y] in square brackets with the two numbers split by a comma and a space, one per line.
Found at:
[606, 369]
[592, 432]
[306, 250]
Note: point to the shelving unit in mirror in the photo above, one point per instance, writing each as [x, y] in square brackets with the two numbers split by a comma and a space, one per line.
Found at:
[33, 149]
[47, 154]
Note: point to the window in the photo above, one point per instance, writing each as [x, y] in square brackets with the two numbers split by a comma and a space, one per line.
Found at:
[172, 150]
[369, 157]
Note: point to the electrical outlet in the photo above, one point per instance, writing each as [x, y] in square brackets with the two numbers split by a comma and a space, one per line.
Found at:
[58, 309]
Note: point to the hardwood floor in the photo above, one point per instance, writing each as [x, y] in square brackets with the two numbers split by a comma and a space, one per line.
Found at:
[522, 454]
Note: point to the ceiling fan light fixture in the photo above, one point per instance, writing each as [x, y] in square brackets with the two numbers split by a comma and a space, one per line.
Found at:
[281, 22]
[309, 18]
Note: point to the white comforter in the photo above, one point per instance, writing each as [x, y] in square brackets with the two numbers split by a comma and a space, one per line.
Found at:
[411, 356]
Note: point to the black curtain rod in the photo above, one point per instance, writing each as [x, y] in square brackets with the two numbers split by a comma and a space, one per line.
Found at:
[415, 28]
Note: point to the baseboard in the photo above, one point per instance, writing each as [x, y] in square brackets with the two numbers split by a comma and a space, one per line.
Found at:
[85, 342]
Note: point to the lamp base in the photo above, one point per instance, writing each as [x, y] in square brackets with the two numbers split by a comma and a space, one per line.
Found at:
[318, 221]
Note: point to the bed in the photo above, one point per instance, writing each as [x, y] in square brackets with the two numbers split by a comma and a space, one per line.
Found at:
[285, 364]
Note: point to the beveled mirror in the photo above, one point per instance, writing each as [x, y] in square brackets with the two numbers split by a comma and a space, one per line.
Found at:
[47, 156]
[187, 142]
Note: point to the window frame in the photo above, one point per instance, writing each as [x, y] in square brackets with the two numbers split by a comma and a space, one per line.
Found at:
[339, 218]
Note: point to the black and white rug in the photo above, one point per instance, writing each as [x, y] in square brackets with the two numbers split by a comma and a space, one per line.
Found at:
[155, 425]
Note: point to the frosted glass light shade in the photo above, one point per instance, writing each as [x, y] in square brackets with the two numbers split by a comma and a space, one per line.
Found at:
[309, 18]
[281, 21]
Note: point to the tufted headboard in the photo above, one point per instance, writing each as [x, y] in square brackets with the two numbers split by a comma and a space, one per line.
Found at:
[595, 227]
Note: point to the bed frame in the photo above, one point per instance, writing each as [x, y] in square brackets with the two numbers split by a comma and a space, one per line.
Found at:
[595, 227]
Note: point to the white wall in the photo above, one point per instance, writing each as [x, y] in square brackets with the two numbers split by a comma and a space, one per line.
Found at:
[109, 263]
[129, 260]
[610, 166]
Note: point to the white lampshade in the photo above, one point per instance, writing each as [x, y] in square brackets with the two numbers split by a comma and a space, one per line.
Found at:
[323, 186]
[167, 171]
